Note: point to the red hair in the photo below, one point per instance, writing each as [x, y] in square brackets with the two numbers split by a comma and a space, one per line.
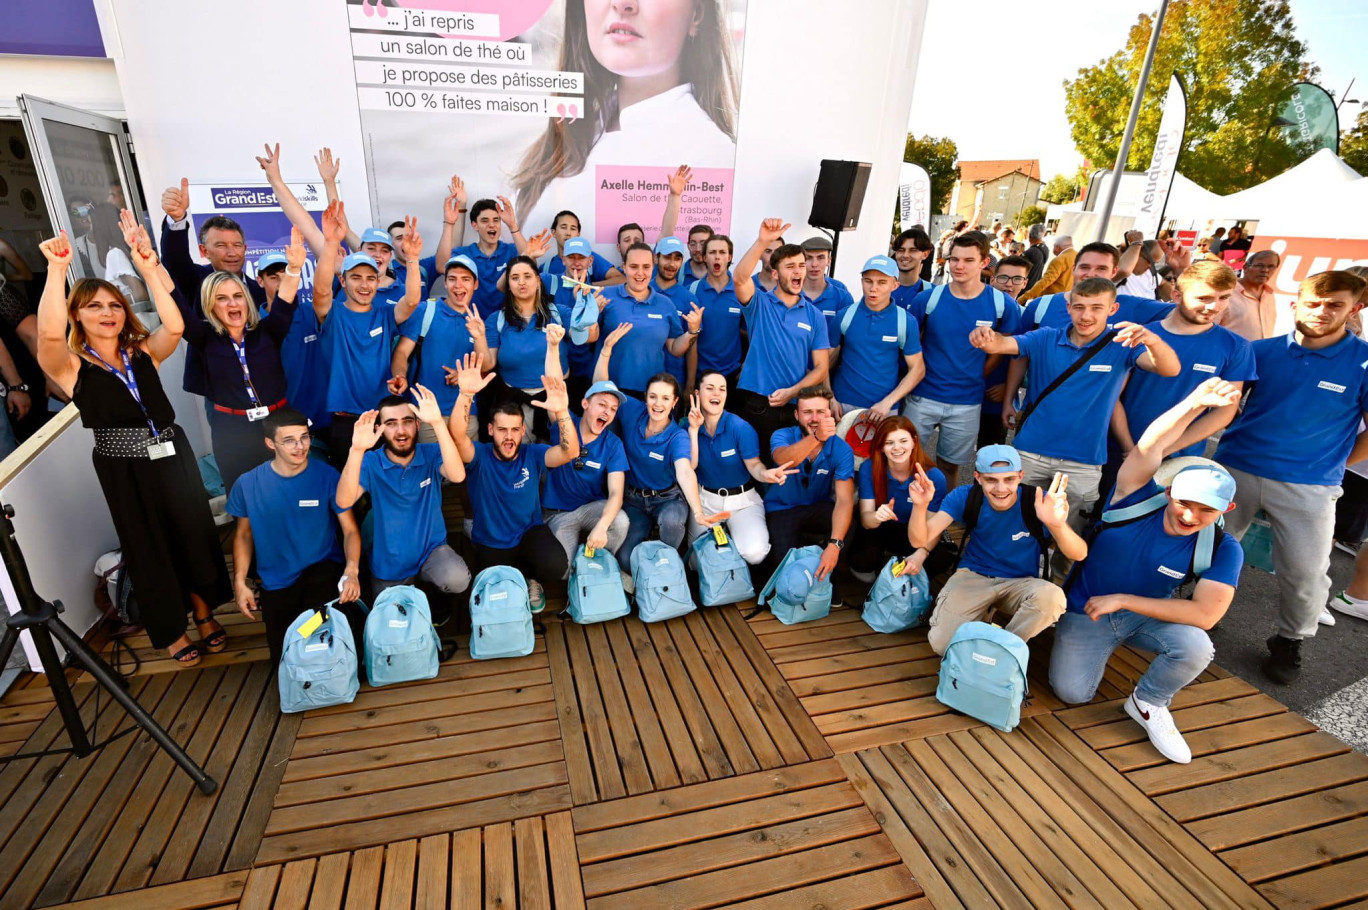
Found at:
[879, 464]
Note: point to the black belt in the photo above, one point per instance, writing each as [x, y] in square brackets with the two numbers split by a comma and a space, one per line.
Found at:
[731, 491]
[650, 493]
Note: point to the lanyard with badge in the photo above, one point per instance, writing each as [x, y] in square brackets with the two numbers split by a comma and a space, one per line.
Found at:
[156, 447]
[257, 411]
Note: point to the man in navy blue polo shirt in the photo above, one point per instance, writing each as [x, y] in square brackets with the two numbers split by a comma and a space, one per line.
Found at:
[949, 397]
[403, 477]
[669, 260]
[586, 494]
[1066, 430]
[505, 483]
[827, 294]
[1288, 448]
[910, 249]
[874, 344]
[287, 515]
[1001, 565]
[490, 254]
[719, 346]
[789, 347]
[819, 500]
[656, 325]
[1123, 593]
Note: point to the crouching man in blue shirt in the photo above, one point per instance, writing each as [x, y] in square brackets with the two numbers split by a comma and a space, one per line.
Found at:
[1123, 593]
[404, 477]
[286, 512]
[1003, 562]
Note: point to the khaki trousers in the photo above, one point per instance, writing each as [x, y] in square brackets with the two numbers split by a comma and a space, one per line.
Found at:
[1033, 603]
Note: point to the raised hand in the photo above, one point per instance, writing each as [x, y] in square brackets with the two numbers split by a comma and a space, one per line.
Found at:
[397, 385]
[695, 412]
[538, 244]
[506, 213]
[326, 164]
[469, 376]
[451, 209]
[554, 333]
[679, 180]
[474, 324]
[412, 244]
[779, 474]
[334, 222]
[694, 318]
[57, 251]
[135, 236]
[176, 201]
[271, 163]
[456, 189]
[982, 337]
[617, 334]
[921, 490]
[771, 229]
[1214, 393]
[366, 433]
[886, 512]
[1052, 506]
[295, 254]
[1131, 334]
[557, 398]
[427, 408]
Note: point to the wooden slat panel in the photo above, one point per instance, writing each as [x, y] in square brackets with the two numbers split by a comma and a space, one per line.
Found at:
[627, 744]
[602, 753]
[1214, 740]
[1123, 731]
[434, 856]
[1284, 855]
[670, 711]
[854, 892]
[643, 714]
[199, 894]
[296, 883]
[467, 881]
[573, 736]
[1328, 886]
[330, 882]
[534, 890]
[719, 713]
[501, 887]
[1253, 789]
[565, 868]
[714, 757]
[1232, 829]
[1237, 763]
[363, 885]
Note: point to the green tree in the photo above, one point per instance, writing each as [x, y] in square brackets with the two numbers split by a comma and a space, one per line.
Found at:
[938, 155]
[1060, 190]
[1032, 214]
[1354, 144]
[1238, 64]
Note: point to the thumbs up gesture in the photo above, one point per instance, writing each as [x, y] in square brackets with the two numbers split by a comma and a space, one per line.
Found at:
[176, 201]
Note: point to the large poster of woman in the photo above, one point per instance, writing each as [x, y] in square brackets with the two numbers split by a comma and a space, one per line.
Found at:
[579, 105]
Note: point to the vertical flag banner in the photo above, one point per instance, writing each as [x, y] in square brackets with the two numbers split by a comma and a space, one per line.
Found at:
[575, 105]
[1168, 144]
[1309, 118]
[914, 195]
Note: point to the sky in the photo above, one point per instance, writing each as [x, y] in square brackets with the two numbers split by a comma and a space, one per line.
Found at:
[1334, 30]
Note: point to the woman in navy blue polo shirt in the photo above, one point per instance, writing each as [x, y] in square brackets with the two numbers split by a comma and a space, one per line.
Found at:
[662, 489]
[885, 505]
[240, 348]
[520, 335]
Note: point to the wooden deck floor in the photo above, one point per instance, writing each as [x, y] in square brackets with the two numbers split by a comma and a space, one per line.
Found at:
[706, 762]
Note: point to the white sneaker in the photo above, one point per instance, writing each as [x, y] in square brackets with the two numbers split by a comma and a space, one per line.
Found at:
[1349, 606]
[1326, 618]
[1158, 724]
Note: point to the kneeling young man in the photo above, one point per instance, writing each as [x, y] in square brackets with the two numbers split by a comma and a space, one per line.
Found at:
[1123, 592]
[1002, 563]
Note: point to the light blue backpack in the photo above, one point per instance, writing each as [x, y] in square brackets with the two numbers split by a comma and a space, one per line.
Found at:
[897, 602]
[723, 575]
[401, 644]
[596, 591]
[319, 668]
[983, 674]
[662, 588]
[500, 618]
[794, 594]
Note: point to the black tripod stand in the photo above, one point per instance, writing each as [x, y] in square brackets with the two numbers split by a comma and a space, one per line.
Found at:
[40, 619]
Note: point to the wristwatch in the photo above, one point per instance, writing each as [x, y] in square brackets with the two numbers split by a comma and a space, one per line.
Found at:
[837, 542]
[21, 387]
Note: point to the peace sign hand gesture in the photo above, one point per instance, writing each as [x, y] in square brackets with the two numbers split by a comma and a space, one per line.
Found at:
[334, 222]
[695, 412]
[271, 163]
[779, 474]
[412, 244]
[1052, 507]
[139, 244]
[295, 254]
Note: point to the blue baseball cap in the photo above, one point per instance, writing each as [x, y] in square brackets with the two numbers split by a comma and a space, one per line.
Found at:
[266, 260]
[670, 244]
[605, 386]
[577, 246]
[355, 259]
[375, 235]
[795, 582]
[1209, 484]
[881, 264]
[991, 458]
[464, 262]
[583, 317]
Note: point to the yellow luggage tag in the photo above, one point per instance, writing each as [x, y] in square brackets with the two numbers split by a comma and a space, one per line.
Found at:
[311, 624]
[899, 567]
[588, 552]
[719, 535]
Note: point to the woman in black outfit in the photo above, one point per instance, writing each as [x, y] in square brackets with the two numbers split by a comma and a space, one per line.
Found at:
[240, 348]
[95, 349]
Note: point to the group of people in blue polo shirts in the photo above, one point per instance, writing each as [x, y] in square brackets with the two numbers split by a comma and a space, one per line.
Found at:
[679, 391]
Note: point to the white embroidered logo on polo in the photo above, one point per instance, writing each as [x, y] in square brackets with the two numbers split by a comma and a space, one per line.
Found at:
[655, 315]
[733, 309]
[1019, 535]
[523, 478]
[1330, 386]
[1172, 573]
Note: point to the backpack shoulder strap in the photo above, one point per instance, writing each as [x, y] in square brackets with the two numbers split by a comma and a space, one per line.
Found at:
[500, 322]
[847, 317]
[429, 312]
[552, 282]
[1036, 528]
[999, 303]
[693, 286]
[902, 326]
[1135, 511]
[936, 294]
[1041, 306]
[1208, 539]
[1088, 354]
[973, 503]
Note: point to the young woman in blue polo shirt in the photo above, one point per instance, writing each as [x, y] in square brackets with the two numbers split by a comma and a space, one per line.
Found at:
[524, 342]
[662, 488]
[885, 505]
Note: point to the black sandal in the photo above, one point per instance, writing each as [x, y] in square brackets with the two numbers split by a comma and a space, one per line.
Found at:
[215, 641]
[188, 656]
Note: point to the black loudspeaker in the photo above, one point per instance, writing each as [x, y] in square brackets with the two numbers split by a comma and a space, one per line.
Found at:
[839, 195]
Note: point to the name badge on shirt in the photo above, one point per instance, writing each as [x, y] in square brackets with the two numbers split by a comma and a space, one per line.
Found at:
[657, 456]
[1204, 367]
[593, 464]
[158, 450]
[728, 453]
[892, 338]
[1172, 573]
[1099, 368]
[1330, 387]
[310, 338]
[804, 325]
[254, 414]
[828, 312]
[1019, 535]
[655, 315]
[308, 503]
[426, 481]
[983, 322]
[377, 330]
[823, 471]
[733, 309]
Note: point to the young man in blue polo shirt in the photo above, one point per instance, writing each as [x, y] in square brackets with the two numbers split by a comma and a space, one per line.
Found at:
[454, 331]
[656, 325]
[669, 260]
[491, 254]
[1002, 562]
[789, 347]
[360, 334]
[1095, 260]
[1288, 448]
[287, 515]
[949, 397]
[909, 250]
[569, 294]
[505, 483]
[819, 500]
[719, 345]
[1123, 593]
[583, 499]
[403, 478]
[870, 352]
[598, 269]
[1067, 430]
[830, 296]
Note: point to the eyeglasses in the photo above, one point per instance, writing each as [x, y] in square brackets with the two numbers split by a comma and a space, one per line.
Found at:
[1003, 279]
[291, 442]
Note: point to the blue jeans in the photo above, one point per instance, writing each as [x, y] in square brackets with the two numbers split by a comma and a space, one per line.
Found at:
[668, 512]
[1082, 648]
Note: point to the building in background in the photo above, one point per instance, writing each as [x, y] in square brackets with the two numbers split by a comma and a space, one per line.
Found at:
[999, 189]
